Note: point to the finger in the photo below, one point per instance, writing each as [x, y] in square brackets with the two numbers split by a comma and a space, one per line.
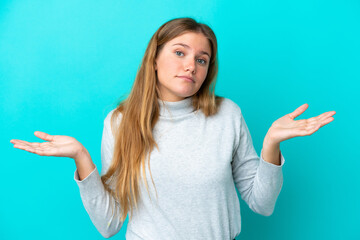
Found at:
[310, 128]
[32, 150]
[327, 115]
[43, 152]
[29, 144]
[298, 111]
[23, 144]
[326, 121]
[313, 127]
[321, 117]
[23, 147]
[14, 141]
[37, 150]
[44, 136]
[306, 131]
[317, 118]
[34, 144]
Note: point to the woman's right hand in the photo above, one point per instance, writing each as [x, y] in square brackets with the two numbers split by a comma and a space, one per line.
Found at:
[56, 145]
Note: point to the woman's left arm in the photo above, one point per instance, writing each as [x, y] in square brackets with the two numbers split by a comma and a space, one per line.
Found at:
[286, 127]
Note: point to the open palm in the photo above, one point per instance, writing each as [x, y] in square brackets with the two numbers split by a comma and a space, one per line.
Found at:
[56, 145]
[286, 127]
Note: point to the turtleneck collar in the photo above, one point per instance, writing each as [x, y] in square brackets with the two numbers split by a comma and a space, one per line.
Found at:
[176, 109]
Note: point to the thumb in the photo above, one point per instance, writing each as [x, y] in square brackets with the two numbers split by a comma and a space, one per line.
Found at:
[298, 111]
[44, 136]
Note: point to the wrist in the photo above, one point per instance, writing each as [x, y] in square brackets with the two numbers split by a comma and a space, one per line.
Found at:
[271, 151]
[81, 154]
[84, 164]
[269, 142]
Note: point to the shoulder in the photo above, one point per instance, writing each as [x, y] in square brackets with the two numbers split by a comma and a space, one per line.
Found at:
[229, 107]
[113, 115]
[112, 120]
[109, 115]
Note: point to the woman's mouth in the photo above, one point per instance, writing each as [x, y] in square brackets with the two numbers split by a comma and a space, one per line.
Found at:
[186, 78]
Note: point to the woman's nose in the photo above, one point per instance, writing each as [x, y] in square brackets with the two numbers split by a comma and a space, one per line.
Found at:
[190, 66]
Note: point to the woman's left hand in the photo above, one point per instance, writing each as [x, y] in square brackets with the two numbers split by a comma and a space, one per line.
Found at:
[286, 127]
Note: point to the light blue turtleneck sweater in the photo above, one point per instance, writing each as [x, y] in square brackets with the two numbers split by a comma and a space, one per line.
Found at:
[199, 163]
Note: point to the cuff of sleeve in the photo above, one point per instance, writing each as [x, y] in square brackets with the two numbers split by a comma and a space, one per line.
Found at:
[270, 168]
[90, 181]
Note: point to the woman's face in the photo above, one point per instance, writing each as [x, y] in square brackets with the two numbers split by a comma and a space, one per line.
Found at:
[182, 65]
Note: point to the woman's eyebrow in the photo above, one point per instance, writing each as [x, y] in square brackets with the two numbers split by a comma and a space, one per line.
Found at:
[186, 46]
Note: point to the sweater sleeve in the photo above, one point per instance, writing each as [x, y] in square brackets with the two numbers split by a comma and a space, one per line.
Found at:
[258, 182]
[102, 208]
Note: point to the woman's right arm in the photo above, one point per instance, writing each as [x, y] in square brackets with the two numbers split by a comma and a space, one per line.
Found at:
[84, 164]
[97, 201]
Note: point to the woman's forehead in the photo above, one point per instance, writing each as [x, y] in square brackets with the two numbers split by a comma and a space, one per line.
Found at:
[196, 41]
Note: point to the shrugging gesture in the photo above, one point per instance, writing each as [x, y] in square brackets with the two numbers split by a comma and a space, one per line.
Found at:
[286, 127]
[56, 145]
[59, 146]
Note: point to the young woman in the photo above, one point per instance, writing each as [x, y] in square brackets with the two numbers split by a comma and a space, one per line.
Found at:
[194, 147]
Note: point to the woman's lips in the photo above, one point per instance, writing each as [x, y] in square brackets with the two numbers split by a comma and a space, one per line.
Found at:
[189, 79]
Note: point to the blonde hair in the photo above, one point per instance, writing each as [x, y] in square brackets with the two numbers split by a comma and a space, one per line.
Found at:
[134, 140]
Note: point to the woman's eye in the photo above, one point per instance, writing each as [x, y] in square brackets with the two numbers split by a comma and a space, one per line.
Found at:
[202, 61]
[179, 53]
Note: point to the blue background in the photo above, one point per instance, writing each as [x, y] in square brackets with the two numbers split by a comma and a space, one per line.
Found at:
[65, 64]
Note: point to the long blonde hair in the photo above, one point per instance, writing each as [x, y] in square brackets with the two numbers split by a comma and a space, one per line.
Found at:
[134, 140]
